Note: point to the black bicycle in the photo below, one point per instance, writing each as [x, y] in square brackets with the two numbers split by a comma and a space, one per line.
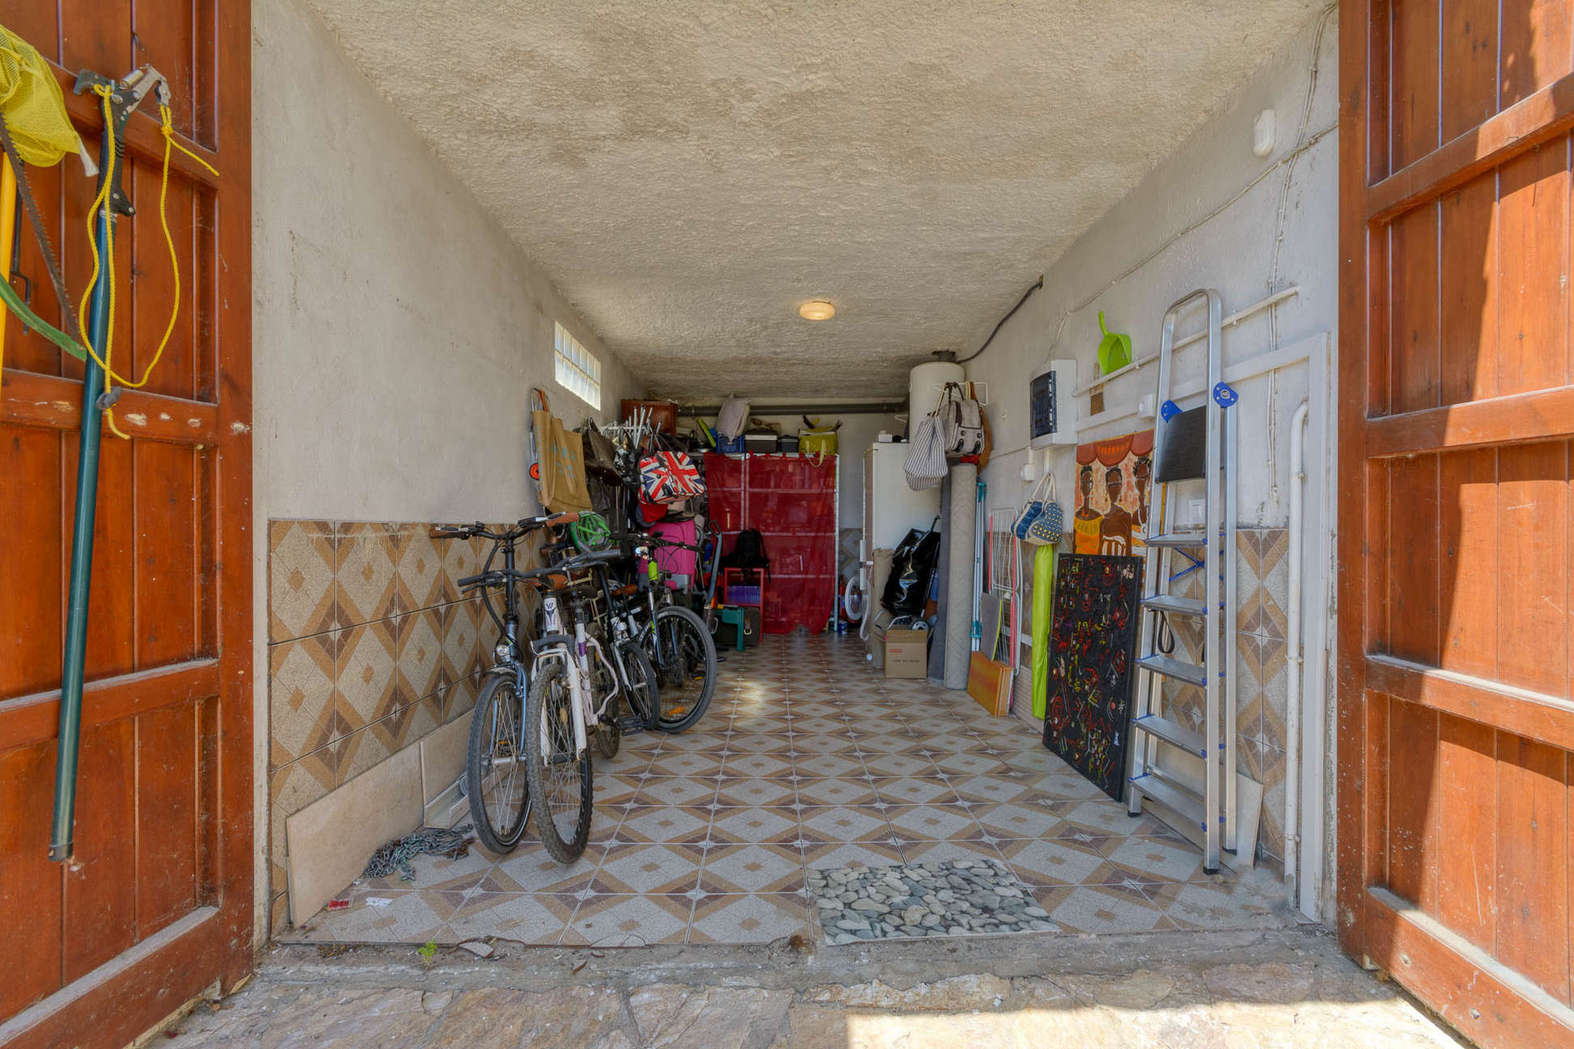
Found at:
[675, 637]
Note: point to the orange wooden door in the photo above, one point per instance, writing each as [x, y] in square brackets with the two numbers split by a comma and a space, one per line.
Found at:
[1456, 719]
[158, 902]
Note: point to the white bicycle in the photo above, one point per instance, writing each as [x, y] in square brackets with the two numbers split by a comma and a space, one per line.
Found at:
[573, 692]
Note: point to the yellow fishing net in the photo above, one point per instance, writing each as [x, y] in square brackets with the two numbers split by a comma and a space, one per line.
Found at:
[31, 102]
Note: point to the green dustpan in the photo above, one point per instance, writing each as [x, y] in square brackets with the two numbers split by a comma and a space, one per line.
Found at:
[1114, 348]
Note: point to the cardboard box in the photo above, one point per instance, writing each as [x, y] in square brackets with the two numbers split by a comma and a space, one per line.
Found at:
[906, 653]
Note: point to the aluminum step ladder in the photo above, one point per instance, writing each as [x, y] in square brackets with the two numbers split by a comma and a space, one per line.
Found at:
[1174, 553]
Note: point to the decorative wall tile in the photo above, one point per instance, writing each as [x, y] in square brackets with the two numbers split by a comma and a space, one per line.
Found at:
[366, 584]
[420, 654]
[301, 567]
[426, 715]
[301, 697]
[365, 688]
[362, 749]
[1274, 671]
[460, 697]
[420, 569]
[461, 558]
[487, 635]
[461, 640]
[301, 782]
[393, 731]
[1262, 580]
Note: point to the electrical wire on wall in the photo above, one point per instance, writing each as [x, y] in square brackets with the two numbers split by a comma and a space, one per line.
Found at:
[1278, 243]
[1289, 168]
[1012, 312]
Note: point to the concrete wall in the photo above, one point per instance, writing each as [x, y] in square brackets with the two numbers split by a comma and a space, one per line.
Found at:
[1214, 215]
[397, 330]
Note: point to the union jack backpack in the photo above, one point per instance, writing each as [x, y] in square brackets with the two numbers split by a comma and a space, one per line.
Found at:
[667, 477]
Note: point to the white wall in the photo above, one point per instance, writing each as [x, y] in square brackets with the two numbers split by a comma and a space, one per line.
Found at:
[397, 331]
[1212, 215]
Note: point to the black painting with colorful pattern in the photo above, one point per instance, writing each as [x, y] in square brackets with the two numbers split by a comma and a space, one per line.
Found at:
[1092, 660]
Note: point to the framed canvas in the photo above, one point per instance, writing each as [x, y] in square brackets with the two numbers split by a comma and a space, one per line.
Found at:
[1092, 660]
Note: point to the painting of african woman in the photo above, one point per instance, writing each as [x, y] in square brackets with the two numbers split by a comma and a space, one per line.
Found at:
[1112, 495]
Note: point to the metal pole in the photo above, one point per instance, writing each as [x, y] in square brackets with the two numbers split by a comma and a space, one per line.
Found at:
[71, 678]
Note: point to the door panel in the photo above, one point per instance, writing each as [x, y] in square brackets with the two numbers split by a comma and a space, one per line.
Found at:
[1456, 716]
[160, 888]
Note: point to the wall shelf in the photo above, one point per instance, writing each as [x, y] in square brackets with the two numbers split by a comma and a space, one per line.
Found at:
[1228, 322]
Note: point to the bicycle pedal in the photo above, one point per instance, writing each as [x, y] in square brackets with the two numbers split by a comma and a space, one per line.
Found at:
[631, 724]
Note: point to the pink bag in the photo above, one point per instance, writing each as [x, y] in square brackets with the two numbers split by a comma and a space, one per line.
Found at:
[677, 560]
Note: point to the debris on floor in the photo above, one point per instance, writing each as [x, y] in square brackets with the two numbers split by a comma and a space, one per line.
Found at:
[437, 841]
[970, 897]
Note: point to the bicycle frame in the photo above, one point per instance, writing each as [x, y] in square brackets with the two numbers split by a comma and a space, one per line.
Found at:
[574, 651]
[507, 655]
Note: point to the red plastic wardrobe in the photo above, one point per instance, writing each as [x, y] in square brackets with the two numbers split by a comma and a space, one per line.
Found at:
[791, 500]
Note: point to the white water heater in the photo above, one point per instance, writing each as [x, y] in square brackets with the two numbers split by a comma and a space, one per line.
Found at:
[924, 384]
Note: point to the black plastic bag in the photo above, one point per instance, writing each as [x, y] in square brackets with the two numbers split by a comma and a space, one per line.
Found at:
[912, 571]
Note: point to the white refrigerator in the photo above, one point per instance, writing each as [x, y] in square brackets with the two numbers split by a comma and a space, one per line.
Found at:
[890, 510]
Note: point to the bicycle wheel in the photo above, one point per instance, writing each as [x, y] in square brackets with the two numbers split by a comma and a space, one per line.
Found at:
[495, 780]
[561, 784]
[643, 686]
[685, 658]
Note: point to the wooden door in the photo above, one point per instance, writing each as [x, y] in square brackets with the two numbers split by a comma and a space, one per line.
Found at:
[157, 904]
[1455, 715]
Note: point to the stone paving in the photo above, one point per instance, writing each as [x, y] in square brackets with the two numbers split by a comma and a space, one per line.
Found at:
[1286, 989]
[957, 898]
[810, 760]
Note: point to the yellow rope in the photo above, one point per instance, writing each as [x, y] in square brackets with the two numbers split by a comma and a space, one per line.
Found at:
[110, 375]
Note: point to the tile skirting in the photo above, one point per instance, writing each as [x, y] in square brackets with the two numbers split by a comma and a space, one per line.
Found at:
[372, 652]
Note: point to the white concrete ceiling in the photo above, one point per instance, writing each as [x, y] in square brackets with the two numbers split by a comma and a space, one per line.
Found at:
[688, 172]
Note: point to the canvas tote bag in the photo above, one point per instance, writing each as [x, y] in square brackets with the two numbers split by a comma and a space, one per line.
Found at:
[561, 462]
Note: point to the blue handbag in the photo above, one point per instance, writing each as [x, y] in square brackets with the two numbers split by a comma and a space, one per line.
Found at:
[1048, 525]
[1031, 511]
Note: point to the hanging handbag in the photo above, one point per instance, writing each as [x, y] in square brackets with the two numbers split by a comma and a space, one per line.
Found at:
[559, 467]
[1048, 527]
[925, 464]
[963, 421]
[1030, 510]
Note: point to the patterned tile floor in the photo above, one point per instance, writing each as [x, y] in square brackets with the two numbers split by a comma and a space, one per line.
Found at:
[809, 759]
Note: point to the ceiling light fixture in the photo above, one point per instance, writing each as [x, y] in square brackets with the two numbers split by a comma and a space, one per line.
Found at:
[817, 310]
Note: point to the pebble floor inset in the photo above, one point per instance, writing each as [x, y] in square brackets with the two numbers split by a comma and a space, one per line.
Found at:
[954, 898]
[810, 760]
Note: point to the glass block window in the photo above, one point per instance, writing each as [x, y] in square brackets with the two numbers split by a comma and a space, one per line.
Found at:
[576, 368]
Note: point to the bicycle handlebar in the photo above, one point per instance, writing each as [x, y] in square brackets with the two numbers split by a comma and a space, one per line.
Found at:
[521, 527]
[499, 576]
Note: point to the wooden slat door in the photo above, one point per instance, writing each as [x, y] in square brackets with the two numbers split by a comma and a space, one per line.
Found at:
[1456, 719]
[157, 904]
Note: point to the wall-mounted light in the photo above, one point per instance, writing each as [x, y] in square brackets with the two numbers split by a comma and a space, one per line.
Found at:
[817, 310]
